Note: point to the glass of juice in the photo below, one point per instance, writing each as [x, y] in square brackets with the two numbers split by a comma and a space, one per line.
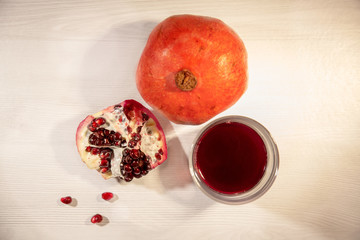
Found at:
[234, 160]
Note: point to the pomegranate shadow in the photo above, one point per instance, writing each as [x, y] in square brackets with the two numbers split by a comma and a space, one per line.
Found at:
[107, 72]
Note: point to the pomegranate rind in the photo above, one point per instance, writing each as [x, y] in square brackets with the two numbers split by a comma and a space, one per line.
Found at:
[209, 49]
[152, 125]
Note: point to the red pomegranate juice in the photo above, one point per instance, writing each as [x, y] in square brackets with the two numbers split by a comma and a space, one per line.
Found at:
[230, 157]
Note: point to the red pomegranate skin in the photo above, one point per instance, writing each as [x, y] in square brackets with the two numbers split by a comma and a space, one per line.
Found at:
[210, 50]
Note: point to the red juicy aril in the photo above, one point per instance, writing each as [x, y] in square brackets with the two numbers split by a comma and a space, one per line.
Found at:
[107, 196]
[124, 140]
[66, 200]
[97, 218]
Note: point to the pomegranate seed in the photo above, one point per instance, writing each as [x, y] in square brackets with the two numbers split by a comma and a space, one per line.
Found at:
[131, 143]
[107, 196]
[135, 153]
[91, 128]
[128, 177]
[145, 117]
[127, 159]
[141, 163]
[127, 168]
[97, 218]
[104, 154]
[93, 123]
[106, 142]
[148, 166]
[99, 142]
[88, 148]
[100, 121]
[117, 136]
[126, 152]
[161, 151]
[138, 129]
[129, 129]
[137, 176]
[66, 200]
[111, 137]
[137, 171]
[92, 139]
[100, 133]
[135, 164]
[104, 163]
[123, 143]
[106, 132]
[95, 151]
[136, 136]
[157, 156]
[104, 170]
[129, 113]
[144, 172]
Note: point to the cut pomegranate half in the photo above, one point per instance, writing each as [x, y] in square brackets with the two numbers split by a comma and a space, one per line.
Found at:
[122, 141]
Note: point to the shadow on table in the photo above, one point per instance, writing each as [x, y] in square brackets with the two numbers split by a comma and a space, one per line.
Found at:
[174, 173]
[108, 71]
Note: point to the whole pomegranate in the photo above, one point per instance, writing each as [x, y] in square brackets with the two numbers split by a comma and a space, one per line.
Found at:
[124, 140]
[192, 68]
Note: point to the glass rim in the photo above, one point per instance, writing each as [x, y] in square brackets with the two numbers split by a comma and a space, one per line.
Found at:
[266, 181]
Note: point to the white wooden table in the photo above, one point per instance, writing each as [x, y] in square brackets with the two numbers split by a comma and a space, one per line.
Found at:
[62, 60]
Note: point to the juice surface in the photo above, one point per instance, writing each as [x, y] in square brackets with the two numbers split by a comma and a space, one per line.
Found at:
[231, 157]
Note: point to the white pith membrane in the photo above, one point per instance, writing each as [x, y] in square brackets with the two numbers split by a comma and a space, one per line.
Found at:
[116, 120]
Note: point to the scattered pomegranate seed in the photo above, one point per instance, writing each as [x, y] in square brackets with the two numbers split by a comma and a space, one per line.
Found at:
[107, 196]
[97, 218]
[88, 148]
[66, 200]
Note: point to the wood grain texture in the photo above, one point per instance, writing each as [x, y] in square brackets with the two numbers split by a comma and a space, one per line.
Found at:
[61, 60]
